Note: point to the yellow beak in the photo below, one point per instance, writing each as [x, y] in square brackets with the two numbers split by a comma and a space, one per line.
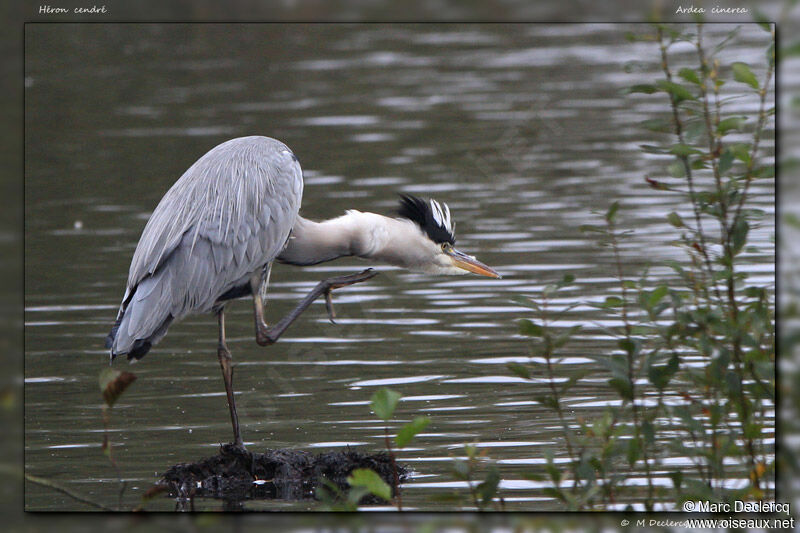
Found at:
[469, 263]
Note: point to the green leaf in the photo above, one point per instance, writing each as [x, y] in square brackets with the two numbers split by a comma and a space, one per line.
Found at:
[524, 301]
[689, 75]
[694, 129]
[623, 387]
[660, 376]
[642, 88]
[565, 337]
[652, 149]
[630, 346]
[488, 488]
[611, 214]
[725, 161]
[449, 499]
[529, 328]
[752, 430]
[384, 403]
[113, 383]
[677, 169]
[678, 92]
[591, 228]
[656, 124]
[743, 74]
[531, 476]
[573, 379]
[767, 171]
[728, 38]
[552, 470]
[461, 470]
[554, 493]
[547, 401]
[354, 496]
[657, 295]
[410, 430]
[520, 370]
[739, 234]
[741, 152]
[327, 491]
[648, 432]
[683, 150]
[730, 123]
[367, 478]
[634, 450]
[566, 280]
[733, 383]
[676, 220]
[612, 301]
[471, 450]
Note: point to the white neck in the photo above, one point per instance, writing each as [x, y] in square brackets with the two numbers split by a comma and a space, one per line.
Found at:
[396, 241]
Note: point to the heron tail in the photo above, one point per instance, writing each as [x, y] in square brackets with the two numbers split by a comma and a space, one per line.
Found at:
[143, 318]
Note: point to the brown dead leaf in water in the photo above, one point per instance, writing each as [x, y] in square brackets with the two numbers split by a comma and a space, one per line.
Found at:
[113, 383]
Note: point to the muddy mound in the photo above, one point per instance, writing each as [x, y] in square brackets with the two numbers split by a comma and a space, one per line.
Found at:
[236, 474]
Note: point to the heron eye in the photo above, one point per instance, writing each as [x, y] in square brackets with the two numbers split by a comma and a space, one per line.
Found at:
[446, 246]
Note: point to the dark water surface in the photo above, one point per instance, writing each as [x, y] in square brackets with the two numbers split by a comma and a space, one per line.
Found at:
[522, 129]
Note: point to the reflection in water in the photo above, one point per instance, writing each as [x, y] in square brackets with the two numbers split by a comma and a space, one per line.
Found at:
[522, 129]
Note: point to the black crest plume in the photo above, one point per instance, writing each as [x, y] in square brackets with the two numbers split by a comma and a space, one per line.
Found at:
[432, 217]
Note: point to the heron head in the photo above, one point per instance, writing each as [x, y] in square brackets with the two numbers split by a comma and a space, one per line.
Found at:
[438, 253]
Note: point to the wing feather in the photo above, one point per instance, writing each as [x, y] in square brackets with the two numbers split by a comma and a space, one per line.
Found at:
[228, 216]
[223, 197]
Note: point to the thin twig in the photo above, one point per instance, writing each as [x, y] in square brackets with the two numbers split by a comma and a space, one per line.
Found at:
[396, 476]
[548, 349]
[762, 119]
[632, 372]
[688, 170]
[57, 487]
[714, 141]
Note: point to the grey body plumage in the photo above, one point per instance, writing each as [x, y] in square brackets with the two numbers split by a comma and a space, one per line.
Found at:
[227, 217]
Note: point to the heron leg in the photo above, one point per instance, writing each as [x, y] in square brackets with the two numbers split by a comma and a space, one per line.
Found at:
[266, 335]
[226, 363]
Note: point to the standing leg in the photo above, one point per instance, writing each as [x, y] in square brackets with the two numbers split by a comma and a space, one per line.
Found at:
[225, 362]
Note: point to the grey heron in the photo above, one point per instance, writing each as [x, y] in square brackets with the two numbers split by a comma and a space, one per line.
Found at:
[217, 231]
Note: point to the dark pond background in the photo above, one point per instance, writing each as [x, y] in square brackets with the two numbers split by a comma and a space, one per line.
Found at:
[521, 128]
